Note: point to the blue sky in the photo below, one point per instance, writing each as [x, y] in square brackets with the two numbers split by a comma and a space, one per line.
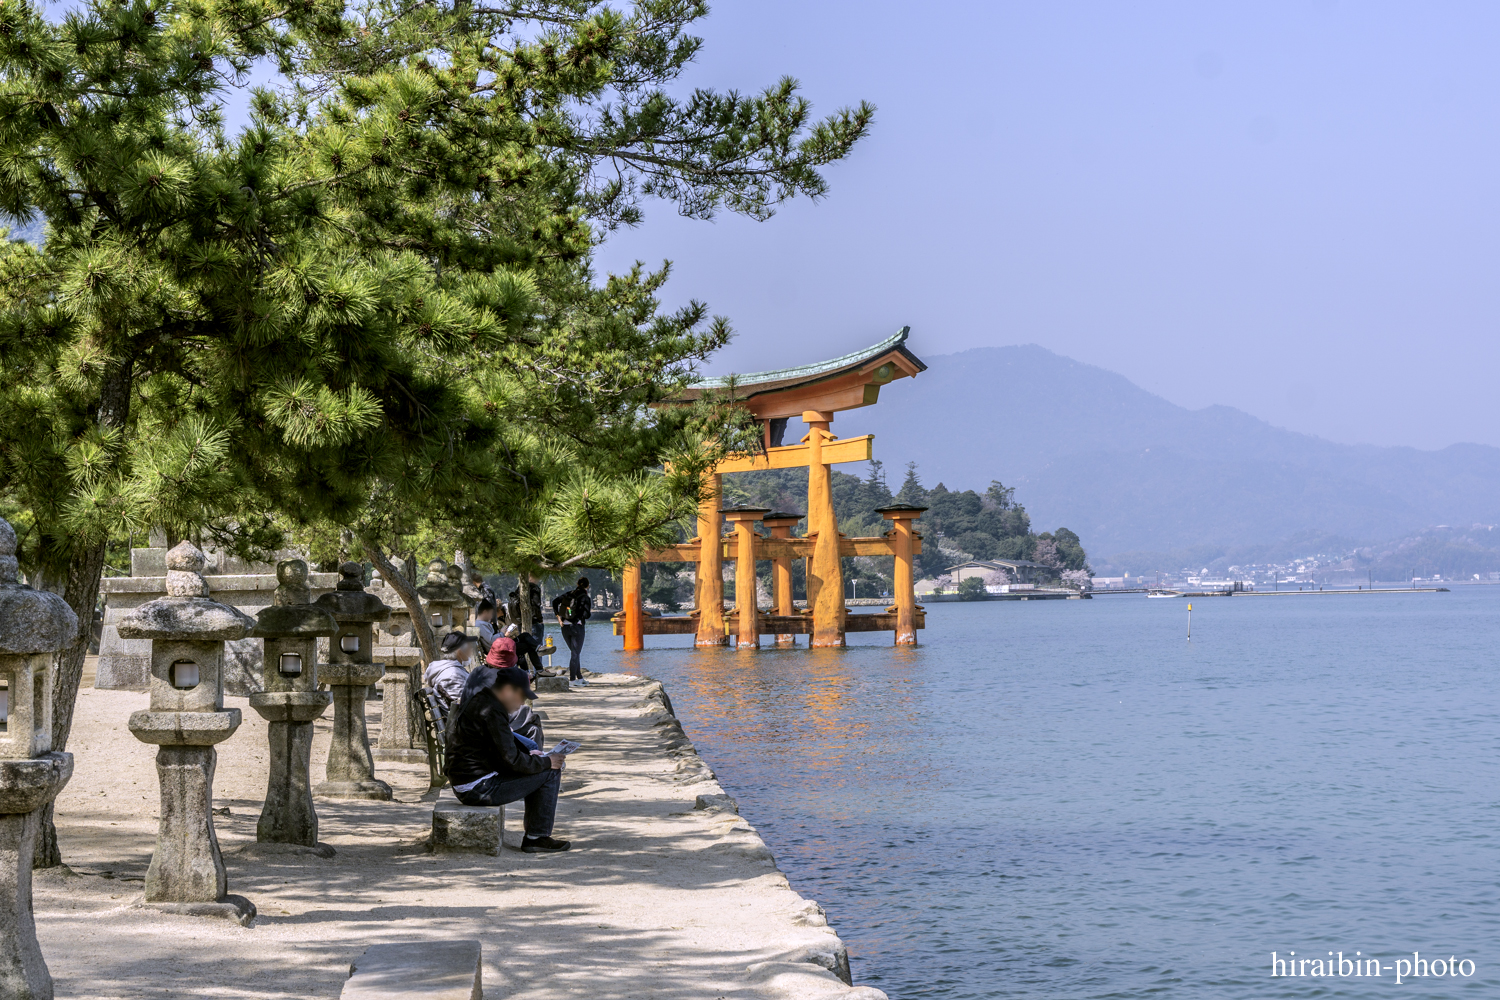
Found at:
[1285, 207]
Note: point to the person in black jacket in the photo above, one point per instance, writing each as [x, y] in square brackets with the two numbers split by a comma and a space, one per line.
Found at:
[487, 767]
[526, 650]
[572, 608]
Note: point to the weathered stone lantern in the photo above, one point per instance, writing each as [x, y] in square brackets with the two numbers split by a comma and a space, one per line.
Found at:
[34, 625]
[440, 596]
[187, 717]
[290, 702]
[349, 671]
[463, 610]
[401, 738]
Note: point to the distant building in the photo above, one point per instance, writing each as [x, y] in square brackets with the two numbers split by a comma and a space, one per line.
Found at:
[1020, 570]
[1226, 586]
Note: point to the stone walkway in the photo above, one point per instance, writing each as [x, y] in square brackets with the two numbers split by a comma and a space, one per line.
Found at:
[656, 900]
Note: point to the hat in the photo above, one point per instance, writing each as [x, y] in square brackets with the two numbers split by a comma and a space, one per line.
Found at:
[502, 653]
[454, 641]
[515, 677]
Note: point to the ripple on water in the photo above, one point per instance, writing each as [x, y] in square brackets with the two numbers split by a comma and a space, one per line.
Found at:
[1065, 799]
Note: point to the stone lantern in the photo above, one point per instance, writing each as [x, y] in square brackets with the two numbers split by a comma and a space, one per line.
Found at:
[349, 671]
[401, 739]
[34, 625]
[463, 610]
[290, 702]
[440, 596]
[187, 717]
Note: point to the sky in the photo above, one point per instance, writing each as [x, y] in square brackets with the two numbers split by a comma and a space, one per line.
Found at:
[1286, 207]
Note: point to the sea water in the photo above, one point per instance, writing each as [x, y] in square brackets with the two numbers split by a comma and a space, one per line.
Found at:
[1070, 799]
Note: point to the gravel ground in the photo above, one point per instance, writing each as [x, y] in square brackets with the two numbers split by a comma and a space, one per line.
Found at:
[656, 899]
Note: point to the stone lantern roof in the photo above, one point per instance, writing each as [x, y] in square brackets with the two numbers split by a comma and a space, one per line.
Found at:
[293, 614]
[31, 621]
[350, 602]
[439, 589]
[187, 612]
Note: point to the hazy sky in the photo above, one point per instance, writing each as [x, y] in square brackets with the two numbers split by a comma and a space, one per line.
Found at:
[1285, 207]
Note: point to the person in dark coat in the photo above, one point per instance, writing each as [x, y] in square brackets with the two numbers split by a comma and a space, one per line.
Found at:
[572, 608]
[488, 767]
[526, 650]
[538, 612]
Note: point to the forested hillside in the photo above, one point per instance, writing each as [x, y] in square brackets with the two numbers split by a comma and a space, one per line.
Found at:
[958, 525]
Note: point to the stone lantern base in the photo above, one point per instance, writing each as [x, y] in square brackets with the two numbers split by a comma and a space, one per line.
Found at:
[351, 768]
[25, 787]
[289, 816]
[398, 726]
[187, 869]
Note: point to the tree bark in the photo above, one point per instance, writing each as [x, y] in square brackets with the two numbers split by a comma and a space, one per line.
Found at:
[523, 597]
[408, 594]
[81, 591]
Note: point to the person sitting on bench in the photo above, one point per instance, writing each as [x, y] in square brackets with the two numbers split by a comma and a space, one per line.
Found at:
[526, 650]
[522, 720]
[447, 676]
[487, 767]
[484, 623]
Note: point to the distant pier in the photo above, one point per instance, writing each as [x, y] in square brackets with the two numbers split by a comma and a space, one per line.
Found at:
[1169, 592]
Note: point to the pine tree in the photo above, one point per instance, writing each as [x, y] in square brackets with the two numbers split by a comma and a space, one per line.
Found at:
[911, 487]
[373, 306]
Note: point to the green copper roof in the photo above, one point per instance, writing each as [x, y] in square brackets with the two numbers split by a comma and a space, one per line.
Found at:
[809, 372]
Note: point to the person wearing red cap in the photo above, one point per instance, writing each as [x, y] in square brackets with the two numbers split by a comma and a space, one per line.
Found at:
[523, 720]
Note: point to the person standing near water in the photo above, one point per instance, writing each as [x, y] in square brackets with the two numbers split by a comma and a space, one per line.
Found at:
[572, 608]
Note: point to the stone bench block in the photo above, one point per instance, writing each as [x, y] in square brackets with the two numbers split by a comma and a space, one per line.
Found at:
[429, 970]
[467, 829]
[551, 685]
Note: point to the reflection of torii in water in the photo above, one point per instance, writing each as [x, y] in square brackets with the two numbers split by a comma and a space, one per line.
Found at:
[813, 393]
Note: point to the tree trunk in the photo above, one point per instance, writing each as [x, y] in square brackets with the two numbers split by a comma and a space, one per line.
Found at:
[81, 591]
[408, 594]
[523, 596]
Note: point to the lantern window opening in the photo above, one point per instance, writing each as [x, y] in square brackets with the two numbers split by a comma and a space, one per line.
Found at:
[38, 700]
[183, 675]
[4, 704]
[349, 643]
[290, 665]
[437, 618]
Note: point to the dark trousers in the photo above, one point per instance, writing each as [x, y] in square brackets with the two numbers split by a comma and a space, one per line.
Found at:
[573, 636]
[539, 791]
[531, 662]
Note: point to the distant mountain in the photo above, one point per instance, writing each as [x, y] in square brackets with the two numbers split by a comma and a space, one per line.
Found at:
[1090, 450]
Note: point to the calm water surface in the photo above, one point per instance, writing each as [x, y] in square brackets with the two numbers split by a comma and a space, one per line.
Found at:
[1066, 799]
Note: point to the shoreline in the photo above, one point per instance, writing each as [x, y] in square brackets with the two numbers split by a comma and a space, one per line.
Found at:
[668, 893]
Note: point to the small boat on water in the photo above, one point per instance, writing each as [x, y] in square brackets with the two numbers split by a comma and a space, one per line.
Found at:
[1163, 593]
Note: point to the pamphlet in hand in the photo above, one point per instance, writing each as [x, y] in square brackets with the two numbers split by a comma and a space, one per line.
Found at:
[564, 748]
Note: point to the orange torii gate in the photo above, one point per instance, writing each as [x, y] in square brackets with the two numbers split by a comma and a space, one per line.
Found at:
[814, 394]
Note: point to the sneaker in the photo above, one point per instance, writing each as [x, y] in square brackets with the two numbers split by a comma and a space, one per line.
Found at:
[536, 845]
[579, 682]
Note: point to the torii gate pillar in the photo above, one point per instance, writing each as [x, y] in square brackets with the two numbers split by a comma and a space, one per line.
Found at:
[825, 576]
[709, 585]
